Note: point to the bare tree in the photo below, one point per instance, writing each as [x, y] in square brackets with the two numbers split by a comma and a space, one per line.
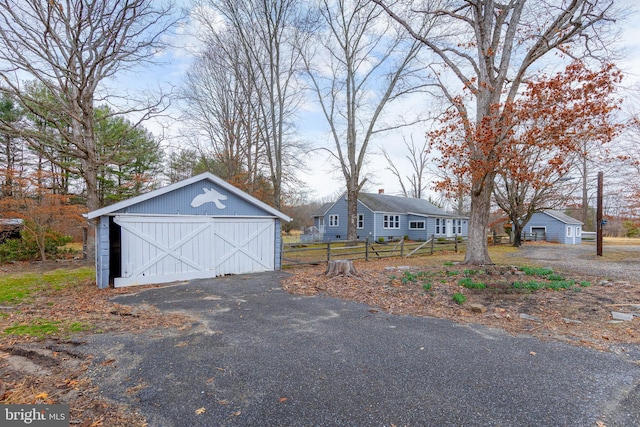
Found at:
[71, 48]
[268, 34]
[491, 48]
[363, 63]
[418, 159]
[217, 109]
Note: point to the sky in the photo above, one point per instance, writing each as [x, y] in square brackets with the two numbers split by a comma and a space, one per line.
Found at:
[323, 180]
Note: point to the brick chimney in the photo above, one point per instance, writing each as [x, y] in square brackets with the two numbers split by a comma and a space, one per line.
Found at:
[381, 191]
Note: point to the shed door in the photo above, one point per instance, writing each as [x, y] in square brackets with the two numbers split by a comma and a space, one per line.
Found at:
[159, 249]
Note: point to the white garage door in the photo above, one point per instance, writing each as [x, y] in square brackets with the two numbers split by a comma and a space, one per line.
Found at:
[158, 249]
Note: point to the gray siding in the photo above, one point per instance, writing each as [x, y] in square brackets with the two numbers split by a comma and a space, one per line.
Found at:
[102, 252]
[278, 245]
[390, 233]
[339, 232]
[374, 225]
[178, 202]
[555, 230]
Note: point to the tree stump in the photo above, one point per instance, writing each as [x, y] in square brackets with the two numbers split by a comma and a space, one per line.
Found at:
[342, 267]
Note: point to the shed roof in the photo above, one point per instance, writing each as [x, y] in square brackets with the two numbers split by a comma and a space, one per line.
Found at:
[176, 186]
[562, 217]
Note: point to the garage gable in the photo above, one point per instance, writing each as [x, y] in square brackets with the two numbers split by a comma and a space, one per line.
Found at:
[204, 194]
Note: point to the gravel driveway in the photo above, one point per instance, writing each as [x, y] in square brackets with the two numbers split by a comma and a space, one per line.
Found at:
[259, 356]
[583, 259]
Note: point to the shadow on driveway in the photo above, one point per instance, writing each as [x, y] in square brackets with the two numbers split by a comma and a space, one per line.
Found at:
[262, 357]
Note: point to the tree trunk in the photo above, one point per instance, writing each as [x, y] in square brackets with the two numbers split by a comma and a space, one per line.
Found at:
[517, 234]
[341, 267]
[352, 211]
[477, 248]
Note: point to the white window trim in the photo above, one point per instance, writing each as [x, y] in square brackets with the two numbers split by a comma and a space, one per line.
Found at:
[420, 227]
[360, 225]
[578, 231]
[394, 220]
[569, 231]
[334, 220]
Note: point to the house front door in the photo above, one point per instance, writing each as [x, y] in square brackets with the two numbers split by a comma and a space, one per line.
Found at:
[449, 228]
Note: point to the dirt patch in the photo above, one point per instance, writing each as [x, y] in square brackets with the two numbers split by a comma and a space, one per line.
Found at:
[578, 311]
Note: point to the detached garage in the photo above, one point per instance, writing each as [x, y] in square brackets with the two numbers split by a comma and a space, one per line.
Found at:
[556, 227]
[198, 228]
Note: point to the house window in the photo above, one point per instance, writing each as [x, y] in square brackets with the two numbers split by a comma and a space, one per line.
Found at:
[416, 225]
[459, 226]
[333, 220]
[578, 231]
[438, 225]
[360, 221]
[391, 221]
[569, 231]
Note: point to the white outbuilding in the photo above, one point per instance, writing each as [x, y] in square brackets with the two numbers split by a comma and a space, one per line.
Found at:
[198, 228]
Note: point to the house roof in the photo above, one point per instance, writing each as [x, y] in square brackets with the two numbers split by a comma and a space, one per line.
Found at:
[396, 204]
[562, 217]
[322, 210]
[176, 186]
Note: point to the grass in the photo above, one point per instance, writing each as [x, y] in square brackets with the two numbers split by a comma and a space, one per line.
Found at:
[17, 288]
[40, 328]
[21, 288]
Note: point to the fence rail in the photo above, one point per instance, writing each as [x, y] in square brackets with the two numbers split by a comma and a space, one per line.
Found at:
[319, 253]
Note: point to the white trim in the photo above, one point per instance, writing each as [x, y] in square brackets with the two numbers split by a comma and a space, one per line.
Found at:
[423, 227]
[164, 190]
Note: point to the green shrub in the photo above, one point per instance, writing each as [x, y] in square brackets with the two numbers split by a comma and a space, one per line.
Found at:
[427, 286]
[26, 248]
[459, 298]
[531, 285]
[537, 271]
[468, 283]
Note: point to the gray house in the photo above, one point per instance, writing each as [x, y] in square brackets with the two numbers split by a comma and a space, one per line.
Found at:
[384, 217]
[201, 227]
[556, 227]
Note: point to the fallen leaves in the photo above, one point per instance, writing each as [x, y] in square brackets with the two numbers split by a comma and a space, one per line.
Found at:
[380, 288]
[201, 411]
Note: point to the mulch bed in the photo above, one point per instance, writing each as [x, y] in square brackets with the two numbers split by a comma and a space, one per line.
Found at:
[580, 315]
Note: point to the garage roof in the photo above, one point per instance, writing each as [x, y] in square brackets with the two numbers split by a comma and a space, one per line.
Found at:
[175, 186]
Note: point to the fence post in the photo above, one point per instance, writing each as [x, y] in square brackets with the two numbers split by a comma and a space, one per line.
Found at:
[433, 239]
[456, 243]
[402, 247]
[366, 249]
[328, 251]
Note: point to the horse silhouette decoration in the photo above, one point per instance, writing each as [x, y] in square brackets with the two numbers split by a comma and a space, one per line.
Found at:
[209, 195]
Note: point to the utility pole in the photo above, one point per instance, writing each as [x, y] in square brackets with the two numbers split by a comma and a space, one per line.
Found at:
[599, 219]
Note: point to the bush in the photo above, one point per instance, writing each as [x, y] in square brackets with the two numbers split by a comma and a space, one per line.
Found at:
[468, 283]
[459, 298]
[26, 248]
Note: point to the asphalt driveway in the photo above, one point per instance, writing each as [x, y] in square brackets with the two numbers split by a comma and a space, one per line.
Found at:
[261, 357]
